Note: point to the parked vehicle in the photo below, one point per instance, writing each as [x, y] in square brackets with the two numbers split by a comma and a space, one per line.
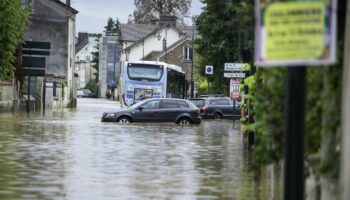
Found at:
[150, 79]
[217, 107]
[180, 111]
[84, 93]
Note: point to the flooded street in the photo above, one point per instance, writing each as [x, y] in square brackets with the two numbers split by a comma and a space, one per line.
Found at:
[70, 154]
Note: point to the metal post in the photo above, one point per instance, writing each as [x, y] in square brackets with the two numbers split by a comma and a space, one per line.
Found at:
[208, 83]
[294, 151]
[113, 72]
[28, 100]
[234, 110]
[44, 94]
[192, 83]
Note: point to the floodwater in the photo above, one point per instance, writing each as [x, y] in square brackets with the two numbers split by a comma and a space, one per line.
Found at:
[70, 154]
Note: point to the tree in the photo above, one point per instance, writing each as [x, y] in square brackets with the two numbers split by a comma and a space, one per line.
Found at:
[113, 26]
[148, 11]
[117, 26]
[226, 28]
[110, 25]
[95, 57]
[14, 17]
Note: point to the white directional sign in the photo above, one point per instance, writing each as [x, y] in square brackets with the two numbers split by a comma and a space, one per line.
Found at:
[234, 75]
[234, 66]
[209, 69]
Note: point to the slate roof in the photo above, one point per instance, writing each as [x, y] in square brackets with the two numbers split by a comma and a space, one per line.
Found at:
[65, 5]
[155, 54]
[135, 32]
[83, 40]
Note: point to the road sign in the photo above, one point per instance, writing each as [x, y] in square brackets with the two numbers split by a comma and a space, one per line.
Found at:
[209, 69]
[234, 66]
[234, 75]
[234, 89]
[111, 83]
[34, 58]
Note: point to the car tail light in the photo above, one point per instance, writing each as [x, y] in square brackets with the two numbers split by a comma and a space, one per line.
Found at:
[204, 108]
[196, 111]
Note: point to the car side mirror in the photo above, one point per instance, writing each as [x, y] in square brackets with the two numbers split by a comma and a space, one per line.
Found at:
[140, 108]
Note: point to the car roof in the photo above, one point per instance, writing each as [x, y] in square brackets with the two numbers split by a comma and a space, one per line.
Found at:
[203, 98]
[149, 99]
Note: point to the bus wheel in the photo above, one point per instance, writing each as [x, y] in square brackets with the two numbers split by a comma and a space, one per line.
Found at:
[124, 120]
[184, 121]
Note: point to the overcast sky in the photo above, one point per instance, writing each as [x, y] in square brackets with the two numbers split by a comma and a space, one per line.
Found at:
[93, 14]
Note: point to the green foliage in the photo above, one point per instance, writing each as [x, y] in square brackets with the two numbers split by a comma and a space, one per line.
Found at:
[14, 19]
[92, 86]
[113, 26]
[96, 57]
[148, 11]
[270, 96]
[225, 29]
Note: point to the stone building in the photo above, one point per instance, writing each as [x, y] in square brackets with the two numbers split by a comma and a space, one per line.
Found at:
[46, 77]
[87, 44]
[167, 42]
[109, 64]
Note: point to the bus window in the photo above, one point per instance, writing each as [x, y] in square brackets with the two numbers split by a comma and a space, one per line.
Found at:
[145, 72]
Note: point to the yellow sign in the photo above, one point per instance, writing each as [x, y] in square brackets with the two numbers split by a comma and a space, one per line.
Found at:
[295, 30]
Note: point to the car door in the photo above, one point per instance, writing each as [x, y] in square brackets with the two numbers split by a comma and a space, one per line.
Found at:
[168, 111]
[148, 113]
[226, 107]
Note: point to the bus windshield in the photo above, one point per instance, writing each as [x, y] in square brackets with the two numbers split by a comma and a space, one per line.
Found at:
[145, 72]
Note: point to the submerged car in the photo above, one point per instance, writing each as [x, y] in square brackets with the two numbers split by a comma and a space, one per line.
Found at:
[180, 111]
[217, 107]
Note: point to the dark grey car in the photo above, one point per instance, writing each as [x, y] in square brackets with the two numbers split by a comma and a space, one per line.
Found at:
[180, 111]
[217, 107]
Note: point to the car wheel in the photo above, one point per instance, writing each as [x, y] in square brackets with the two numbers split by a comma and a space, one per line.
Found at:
[184, 121]
[124, 120]
[217, 116]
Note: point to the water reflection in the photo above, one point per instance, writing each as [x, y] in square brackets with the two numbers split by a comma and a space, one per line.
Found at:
[72, 155]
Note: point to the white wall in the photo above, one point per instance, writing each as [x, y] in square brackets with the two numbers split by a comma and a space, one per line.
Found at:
[85, 53]
[152, 43]
[71, 94]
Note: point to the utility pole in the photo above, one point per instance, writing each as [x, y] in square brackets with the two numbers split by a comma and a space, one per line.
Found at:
[345, 164]
[192, 82]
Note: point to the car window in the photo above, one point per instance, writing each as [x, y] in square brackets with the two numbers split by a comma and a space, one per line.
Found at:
[151, 104]
[183, 104]
[198, 102]
[219, 102]
[169, 104]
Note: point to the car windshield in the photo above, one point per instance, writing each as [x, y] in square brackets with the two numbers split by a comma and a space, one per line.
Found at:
[134, 106]
[145, 72]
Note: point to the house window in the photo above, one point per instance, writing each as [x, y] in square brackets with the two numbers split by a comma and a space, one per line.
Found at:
[25, 2]
[54, 89]
[187, 53]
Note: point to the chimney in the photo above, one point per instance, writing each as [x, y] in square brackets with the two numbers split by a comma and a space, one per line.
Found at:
[167, 20]
[68, 3]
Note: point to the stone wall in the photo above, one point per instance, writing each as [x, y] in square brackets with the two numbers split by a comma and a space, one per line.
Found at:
[175, 56]
[6, 96]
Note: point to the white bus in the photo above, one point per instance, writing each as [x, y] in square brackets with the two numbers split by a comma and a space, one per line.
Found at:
[150, 79]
